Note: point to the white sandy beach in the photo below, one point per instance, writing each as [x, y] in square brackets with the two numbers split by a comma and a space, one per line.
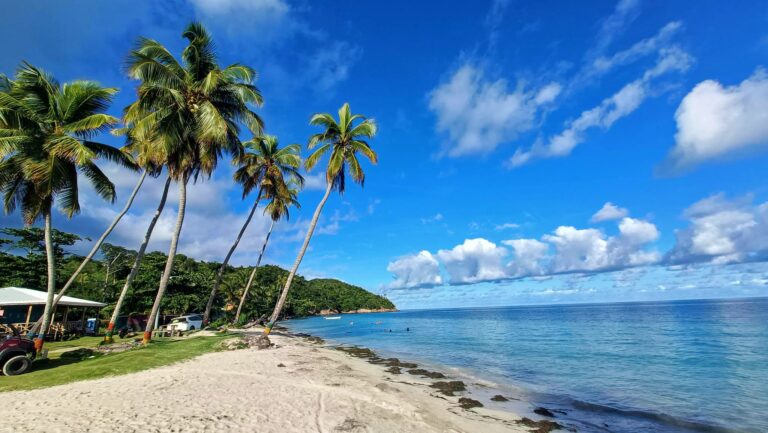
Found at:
[316, 390]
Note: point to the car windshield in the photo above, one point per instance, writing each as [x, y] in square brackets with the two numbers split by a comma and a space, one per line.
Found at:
[179, 320]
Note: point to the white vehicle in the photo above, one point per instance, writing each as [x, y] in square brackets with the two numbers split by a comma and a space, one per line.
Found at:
[189, 322]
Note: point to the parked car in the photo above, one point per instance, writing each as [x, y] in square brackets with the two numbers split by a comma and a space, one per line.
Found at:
[16, 354]
[189, 322]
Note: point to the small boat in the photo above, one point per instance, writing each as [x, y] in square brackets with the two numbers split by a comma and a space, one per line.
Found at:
[333, 318]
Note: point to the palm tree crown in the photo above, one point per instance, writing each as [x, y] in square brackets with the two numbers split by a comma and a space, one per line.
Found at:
[268, 167]
[45, 129]
[343, 139]
[195, 105]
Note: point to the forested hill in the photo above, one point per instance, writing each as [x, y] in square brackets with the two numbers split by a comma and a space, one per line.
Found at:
[22, 264]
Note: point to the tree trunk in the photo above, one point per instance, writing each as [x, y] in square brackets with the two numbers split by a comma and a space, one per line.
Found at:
[223, 266]
[289, 280]
[253, 274]
[99, 241]
[136, 263]
[51, 281]
[169, 262]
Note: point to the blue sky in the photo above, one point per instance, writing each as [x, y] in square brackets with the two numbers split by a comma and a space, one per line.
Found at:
[530, 152]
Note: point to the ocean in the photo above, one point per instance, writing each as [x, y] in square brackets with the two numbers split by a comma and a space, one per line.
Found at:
[680, 366]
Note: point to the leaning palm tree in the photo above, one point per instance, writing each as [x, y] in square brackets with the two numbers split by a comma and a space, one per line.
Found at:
[264, 166]
[194, 106]
[277, 209]
[344, 140]
[149, 153]
[45, 131]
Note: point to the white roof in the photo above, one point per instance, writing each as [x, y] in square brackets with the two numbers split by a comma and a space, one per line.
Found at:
[20, 296]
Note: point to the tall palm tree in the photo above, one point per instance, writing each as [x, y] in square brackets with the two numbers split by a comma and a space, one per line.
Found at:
[263, 166]
[277, 209]
[150, 153]
[195, 106]
[45, 131]
[344, 139]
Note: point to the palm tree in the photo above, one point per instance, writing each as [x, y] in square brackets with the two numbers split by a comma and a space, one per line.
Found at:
[195, 107]
[149, 152]
[264, 166]
[344, 140]
[277, 208]
[45, 129]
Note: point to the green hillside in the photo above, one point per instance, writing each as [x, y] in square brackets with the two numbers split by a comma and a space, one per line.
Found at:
[22, 264]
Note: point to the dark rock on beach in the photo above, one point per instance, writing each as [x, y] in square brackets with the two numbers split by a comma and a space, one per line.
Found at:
[357, 352]
[449, 388]
[499, 397]
[468, 403]
[543, 411]
[394, 370]
[543, 426]
[426, 373]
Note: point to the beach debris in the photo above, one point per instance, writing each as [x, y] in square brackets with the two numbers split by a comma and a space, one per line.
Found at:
[394, 370]
[542, 426]
[468, 403]
[450, 387]
[281, 365]
[543, 411]
[350, 424]
[263, 342]
[426, 373]
[313, 339]
[118, 347]
[499, 397]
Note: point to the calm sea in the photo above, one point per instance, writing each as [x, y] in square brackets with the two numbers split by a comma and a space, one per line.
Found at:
[683, 366]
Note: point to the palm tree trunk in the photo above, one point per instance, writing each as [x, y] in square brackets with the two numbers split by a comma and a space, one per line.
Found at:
[289, 280]
[51, 281]
[253, 274]
[169, 262]
[99, 241]
[136, 263]
[223, 266]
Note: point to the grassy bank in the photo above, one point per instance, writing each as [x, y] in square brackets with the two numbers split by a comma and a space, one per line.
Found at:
[58, 370]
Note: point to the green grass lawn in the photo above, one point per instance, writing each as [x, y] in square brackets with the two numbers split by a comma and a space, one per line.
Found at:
[57, 370]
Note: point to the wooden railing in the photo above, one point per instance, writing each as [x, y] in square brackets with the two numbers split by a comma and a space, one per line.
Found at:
[57, 329]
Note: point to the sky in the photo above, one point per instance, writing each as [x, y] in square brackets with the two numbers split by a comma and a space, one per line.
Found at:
[529, 152]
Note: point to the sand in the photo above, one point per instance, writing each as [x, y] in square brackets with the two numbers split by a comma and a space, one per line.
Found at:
[296, 386]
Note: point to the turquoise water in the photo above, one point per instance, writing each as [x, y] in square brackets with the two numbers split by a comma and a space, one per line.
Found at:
[682, 366]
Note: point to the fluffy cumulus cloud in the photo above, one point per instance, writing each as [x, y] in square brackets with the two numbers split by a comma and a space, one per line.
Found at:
[714, 121]
[609, 212]
[477, 114]
[722, 230]
[418, 270]
[617, 106]
[565, 250]
[474, 261]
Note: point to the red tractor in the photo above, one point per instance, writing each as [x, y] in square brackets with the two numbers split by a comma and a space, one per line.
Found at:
[16, 354]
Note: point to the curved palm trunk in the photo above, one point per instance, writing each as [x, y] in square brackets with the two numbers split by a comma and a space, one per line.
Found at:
[98, 243]
[289, 280]
[169, 262]
[136, 263]
[253, 274]
[223, 266]
[51, 281]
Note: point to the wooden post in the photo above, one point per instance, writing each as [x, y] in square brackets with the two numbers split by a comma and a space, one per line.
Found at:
[82, 321]
[29, 315]
[64, 321]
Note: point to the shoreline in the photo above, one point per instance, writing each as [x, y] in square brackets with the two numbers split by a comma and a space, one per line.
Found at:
[296, 385]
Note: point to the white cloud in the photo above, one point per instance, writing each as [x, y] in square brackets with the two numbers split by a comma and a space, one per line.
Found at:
[330, 65]
[419, 270]
[315, 181]
[611, 109]
[609, 212]
[474, 261]
[478, 114]
[271, 20]
[715, 121]
[506, 226]
[529, 257]
[625, 12]
[722, 231]
[433, 219]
